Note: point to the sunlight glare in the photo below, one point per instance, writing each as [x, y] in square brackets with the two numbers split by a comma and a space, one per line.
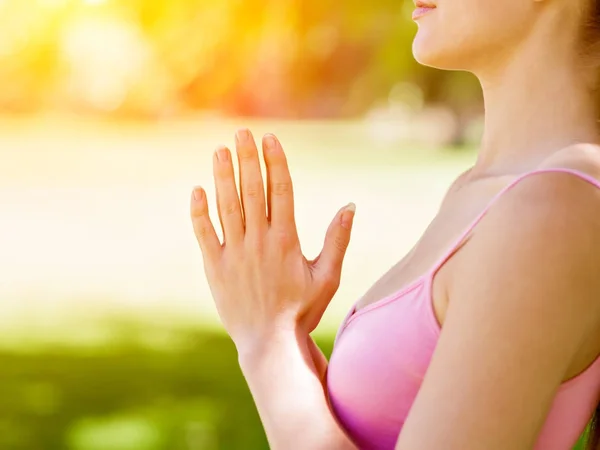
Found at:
[53, 3]
[95, 47]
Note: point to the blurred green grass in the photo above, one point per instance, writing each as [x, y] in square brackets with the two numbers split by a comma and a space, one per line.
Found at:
[128, 395]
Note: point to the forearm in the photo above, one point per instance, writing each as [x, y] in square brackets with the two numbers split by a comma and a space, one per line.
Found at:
[288, 389]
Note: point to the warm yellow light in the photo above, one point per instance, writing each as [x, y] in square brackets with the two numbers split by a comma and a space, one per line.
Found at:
[53, 3]
[94, 2]
[104, 57]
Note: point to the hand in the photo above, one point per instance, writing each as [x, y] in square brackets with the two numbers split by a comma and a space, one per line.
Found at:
[259, 279]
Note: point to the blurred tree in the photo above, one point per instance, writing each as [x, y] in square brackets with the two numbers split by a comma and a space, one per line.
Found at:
[278, 58]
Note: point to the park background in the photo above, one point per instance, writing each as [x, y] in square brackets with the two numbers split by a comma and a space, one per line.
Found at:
[109, 113]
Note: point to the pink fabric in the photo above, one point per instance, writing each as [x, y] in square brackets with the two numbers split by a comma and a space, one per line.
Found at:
[383, 350]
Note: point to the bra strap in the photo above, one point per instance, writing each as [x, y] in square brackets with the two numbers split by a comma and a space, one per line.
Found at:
[448, 254]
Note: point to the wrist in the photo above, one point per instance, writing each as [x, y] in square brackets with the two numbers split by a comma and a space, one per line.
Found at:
[277, 344]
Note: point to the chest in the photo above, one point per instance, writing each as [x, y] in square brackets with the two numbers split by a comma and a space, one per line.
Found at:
[460, 207]
[378, 364]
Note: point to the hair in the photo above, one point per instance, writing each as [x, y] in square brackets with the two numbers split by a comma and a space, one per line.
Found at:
[589, 40]
[591, 49]
[590, 31]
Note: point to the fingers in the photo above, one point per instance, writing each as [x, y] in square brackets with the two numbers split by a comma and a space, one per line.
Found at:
[251, 183]
[250, 217]
[337, 239]
[228, 203]
[203, 227]
[280, 195]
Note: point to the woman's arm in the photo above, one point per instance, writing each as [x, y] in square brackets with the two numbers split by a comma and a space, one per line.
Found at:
[289, 392]
[268, 295]
[523, 314]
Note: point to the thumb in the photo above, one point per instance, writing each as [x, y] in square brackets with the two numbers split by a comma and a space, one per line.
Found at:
[330, 260]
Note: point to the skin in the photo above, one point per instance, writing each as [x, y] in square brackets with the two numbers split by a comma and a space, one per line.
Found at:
[508, 341]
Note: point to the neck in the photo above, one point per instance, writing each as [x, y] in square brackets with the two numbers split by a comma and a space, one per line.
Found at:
[534, 106]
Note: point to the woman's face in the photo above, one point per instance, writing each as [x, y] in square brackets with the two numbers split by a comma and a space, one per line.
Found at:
[471, 34]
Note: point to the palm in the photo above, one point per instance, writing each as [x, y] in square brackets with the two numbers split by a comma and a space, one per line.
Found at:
[259, 276]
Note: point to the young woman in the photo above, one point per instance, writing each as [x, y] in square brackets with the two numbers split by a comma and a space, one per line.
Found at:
[487, 334]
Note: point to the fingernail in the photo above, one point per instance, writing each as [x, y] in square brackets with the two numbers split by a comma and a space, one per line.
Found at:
[348, 216]
[198, 194]
[242, 135]
[270, 142]
[222, 154]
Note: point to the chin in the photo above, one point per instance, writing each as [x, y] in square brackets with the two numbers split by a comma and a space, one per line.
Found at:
[434, 51]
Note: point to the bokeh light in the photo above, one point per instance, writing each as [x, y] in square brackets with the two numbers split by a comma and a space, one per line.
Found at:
[104, 58]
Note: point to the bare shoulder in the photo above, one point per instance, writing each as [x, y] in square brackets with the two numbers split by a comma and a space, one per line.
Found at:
[558, 203]
[540, 244]
[545, 214]
[580, 157]
[551, 200]
[548, 227]
[554, 209]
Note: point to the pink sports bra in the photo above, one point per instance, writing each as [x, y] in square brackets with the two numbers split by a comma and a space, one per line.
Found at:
[382, 352]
